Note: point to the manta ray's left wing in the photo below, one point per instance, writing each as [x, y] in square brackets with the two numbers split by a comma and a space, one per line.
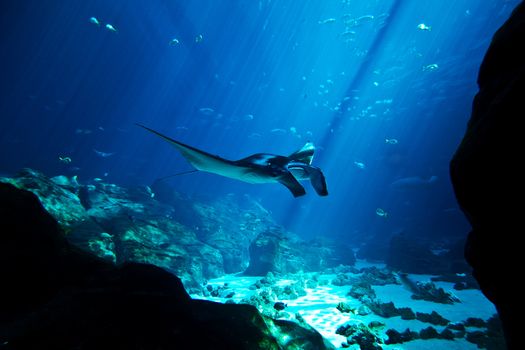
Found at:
[201, 160]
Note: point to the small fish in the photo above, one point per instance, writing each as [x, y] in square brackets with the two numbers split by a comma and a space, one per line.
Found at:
[359, 165]
[279, 306]
[206, 110]
[391, 141]
[430, 67]
[348, 33]
[150, 192]
[65, 160]
[111, 28]
[106, 235]
[83, 131]
[97, 179]
[423, 26]
[174, 42]
[103, 154]
[380, 212]
[293, 129]
[365, 18]
[461, 274]
[74, 180]
[328, 20]
[199, 38]
[94, 20]
[248, 117]
[278, 131]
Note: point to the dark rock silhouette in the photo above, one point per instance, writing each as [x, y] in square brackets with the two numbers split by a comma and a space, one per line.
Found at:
[56, 296]
[486, 176]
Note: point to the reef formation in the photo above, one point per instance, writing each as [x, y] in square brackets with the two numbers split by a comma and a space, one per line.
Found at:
[57, 296]
[194, 239]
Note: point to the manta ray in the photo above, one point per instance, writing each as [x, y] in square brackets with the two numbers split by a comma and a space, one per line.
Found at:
[258, 168]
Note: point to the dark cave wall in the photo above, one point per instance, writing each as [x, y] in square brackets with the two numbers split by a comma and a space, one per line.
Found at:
[486, 174]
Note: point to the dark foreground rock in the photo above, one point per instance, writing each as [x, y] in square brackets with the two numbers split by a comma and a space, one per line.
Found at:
[487, 174]
[56, 296]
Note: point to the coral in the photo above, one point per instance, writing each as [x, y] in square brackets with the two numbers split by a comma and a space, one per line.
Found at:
[56, 296]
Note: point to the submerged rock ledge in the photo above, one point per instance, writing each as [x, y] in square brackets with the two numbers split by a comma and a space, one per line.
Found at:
[56, 296]
[195, 239]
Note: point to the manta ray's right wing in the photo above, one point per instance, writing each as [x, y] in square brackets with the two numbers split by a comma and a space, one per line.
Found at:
[199, 159]
[292, 184]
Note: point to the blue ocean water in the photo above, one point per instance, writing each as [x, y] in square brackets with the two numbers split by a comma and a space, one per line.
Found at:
[382, 88]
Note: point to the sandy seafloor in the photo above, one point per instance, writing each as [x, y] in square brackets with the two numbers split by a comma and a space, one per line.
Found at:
[318, 308]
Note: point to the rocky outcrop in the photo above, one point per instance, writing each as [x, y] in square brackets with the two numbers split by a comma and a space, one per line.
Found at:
[409, 255]
[277, 251]
[228, 224]
[123, 225]
[487, 176]
[56, 296]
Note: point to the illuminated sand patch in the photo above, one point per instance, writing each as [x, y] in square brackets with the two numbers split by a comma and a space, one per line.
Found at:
[318, 309]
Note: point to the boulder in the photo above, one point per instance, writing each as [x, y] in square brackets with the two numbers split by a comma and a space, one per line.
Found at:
[275, 250]
[228, 224]
[56, 296]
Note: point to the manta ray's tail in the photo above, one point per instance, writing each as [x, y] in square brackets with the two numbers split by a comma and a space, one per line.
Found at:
[305, 154]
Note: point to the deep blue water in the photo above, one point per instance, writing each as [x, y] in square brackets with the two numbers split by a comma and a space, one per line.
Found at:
[267, 76]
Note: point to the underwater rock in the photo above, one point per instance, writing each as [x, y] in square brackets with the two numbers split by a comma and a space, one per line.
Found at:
[385, 310]
[342, 279]
[461, 281]
[362, 291]
[378, 277]
[408, 255]
[427, 291]
[487, 174]
[406, 313]
[432, 318]
[129, 224]
[281, 252]
[293, 291]
[361, 335]
[491, 337]
[428, 333]
[475, 322]
[56, 296]
[60, 197]
[395, 337]
[363, 310]
[230, 224]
